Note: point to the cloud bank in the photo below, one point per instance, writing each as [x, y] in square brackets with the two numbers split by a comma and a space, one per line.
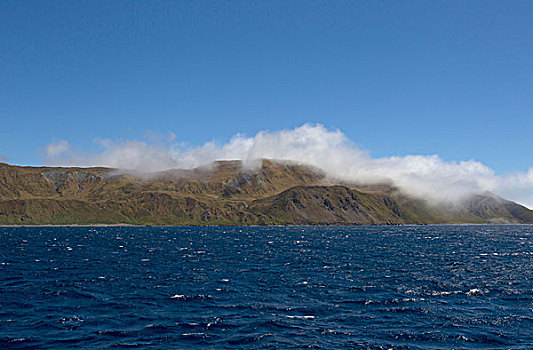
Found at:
[427, 177]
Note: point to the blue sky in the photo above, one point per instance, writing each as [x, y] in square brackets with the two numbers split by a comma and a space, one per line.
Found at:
[453, 78]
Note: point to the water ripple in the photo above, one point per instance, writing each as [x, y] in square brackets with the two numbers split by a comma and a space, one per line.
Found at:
[412, 287]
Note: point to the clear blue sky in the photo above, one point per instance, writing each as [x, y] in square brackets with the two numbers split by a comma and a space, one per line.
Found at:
[453, 78]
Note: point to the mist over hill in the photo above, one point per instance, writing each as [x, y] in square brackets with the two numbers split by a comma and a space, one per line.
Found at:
[228, 192]
[426, 177]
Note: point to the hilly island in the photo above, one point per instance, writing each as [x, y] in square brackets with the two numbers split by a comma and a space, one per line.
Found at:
[226, 193]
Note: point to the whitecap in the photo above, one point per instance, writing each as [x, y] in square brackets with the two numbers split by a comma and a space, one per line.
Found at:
[475, 291]
[435, 293]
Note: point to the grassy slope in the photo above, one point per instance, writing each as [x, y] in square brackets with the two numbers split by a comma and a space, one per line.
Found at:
[225, 193]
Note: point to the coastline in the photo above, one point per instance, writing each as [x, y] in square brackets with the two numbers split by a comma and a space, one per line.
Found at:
[280, 225]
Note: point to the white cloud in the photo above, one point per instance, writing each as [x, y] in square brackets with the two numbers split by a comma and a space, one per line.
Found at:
[57, 149]
[427, 177]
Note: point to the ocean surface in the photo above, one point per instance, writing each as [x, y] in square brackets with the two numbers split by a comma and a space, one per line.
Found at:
[410, 287]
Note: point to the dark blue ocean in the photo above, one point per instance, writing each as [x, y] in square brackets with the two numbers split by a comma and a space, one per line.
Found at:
[411, 287]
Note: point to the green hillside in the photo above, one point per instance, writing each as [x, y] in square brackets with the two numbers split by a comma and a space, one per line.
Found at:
[224, 193]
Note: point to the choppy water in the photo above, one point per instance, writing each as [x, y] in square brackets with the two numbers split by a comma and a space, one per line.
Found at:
[267, 287]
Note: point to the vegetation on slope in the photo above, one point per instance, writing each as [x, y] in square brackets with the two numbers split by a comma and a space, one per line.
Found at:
[223, 193]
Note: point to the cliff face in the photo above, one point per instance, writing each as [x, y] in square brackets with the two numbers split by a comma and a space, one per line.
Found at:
[223, 193]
